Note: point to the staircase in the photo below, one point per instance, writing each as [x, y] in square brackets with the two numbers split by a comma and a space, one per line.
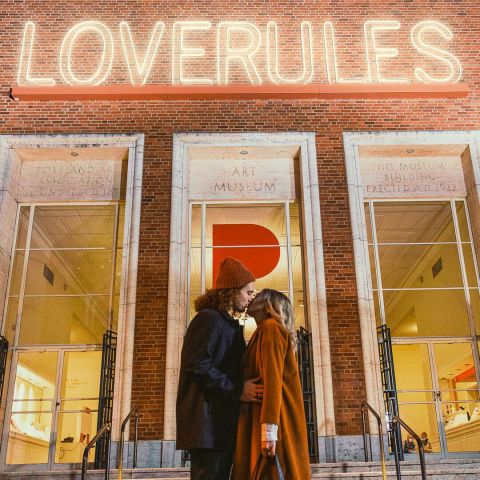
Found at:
[457, 469]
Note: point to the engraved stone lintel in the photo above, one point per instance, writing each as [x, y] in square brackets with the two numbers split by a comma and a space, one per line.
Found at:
[420, 177]
[242, 179]
[70, 180]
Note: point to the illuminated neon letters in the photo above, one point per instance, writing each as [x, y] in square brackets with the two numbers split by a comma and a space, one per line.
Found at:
[202, 53]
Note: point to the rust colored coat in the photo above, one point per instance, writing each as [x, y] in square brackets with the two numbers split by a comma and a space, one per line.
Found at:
[270, 356]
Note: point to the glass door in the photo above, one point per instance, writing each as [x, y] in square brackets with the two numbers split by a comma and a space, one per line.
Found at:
[52, 421]
[32, 408]
[438, 394]
[457, 395]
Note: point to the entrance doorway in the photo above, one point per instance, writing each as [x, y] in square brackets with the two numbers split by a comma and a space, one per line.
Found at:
[63, 295]
[426, 291]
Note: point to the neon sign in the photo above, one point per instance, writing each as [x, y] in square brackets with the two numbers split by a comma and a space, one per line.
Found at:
[244, 46]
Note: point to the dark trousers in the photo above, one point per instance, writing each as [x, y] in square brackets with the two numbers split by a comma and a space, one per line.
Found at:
[209, 464]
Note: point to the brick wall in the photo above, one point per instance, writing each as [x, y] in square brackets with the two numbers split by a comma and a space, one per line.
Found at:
[159, 120]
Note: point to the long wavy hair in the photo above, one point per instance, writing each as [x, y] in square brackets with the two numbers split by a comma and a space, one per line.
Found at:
[217, 298]
[277, 306]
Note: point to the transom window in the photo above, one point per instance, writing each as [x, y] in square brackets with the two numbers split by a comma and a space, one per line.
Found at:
[423, 267]
[266, 237]
[64, 286]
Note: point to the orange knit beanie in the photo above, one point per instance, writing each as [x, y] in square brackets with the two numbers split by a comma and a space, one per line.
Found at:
[233, 274]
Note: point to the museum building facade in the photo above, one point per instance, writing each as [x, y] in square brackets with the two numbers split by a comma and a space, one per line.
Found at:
[333, 148]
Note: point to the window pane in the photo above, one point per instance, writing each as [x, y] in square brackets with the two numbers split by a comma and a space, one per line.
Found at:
[295, 235]
[404, 222]
[195, 278]
[420, 266]
[426, 313]
[118, 271]
[81, 374]
[29, 434]
[462, 221]
[29, 438]
[299, 309]
[74, 431]
[73, 226]
[461, 426]
[368, 223]
[421, 418]
[456, 371]
[22, 229]
[116, 313]
[11, 318]
[69, 272]
[196, 226]
[121, 224]
[17, 271]
[249, 225]
[469, 265]
[373, 273]
[475, 303]
[80, 381]
[376, 305]
[297, 268]
[412, 367]
[64, 320]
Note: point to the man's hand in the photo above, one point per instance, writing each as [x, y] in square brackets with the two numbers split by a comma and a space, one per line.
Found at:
[268, 449]
[252, 391]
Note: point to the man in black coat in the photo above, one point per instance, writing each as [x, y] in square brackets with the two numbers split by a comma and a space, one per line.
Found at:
[210, 385]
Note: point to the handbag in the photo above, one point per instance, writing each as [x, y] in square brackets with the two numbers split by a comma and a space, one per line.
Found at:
[268, 468]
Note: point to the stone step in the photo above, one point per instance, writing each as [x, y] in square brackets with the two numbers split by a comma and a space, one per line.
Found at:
[437, 469]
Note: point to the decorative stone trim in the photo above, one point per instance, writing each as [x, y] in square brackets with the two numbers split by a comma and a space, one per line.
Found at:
[314, 266]
[9, 179]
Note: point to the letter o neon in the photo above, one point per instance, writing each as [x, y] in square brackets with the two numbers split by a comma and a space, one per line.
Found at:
[68, 44]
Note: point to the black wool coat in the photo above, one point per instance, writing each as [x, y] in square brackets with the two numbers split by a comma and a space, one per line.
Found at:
[210, 384]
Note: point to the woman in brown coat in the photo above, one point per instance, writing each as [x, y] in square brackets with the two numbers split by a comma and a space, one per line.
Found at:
[277, 425]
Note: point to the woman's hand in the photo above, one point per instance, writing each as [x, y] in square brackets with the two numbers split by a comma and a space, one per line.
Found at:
[268, 448]
[252, 391]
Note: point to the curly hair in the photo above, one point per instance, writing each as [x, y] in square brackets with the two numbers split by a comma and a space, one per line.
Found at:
[218, 299]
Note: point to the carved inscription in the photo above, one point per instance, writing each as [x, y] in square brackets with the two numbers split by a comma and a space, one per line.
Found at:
[412, 177]
[263, 179]
[70, 180]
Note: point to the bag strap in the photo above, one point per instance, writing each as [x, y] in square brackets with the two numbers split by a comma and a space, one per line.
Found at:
[279, 468]
[277, 465]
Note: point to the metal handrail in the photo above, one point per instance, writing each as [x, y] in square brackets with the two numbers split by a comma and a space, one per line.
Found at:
[105, 430]
[421, 450]
[133, 413]
[365, 406]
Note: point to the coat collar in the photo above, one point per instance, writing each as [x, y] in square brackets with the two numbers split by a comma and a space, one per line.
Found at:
[235, 323]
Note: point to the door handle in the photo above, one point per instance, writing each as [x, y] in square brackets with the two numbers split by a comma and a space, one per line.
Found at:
[437, 396]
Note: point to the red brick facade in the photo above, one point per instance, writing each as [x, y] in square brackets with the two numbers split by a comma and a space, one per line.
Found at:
[159, 120]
